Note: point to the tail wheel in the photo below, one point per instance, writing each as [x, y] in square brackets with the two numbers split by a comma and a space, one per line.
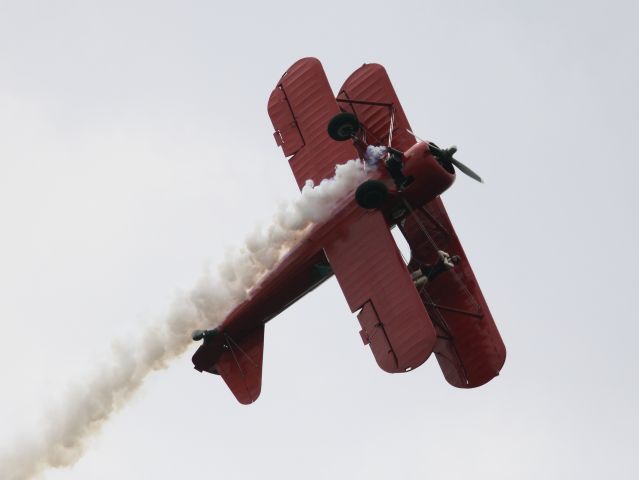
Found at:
[343, 126]
[371, 194]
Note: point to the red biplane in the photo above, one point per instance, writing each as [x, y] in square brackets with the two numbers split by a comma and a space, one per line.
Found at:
[433, 304]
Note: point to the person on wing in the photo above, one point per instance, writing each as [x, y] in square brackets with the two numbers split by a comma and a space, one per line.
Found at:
[427, 273]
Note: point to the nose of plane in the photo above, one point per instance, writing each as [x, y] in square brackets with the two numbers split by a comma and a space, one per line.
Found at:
[431, 178]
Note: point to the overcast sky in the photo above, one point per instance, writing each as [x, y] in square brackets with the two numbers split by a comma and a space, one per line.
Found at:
[135, 148]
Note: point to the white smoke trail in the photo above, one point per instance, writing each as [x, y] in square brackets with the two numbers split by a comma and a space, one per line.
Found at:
[88, 406]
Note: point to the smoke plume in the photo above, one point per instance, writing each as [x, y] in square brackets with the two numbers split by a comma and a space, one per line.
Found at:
[90, 404]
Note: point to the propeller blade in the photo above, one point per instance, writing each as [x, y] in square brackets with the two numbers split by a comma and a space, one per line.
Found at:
[448, 154]
[466, 170]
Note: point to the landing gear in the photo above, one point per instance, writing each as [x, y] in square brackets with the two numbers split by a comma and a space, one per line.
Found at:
[343, 126]
[371, 194]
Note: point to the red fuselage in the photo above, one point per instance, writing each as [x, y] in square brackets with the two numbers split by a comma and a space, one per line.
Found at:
[306, 266]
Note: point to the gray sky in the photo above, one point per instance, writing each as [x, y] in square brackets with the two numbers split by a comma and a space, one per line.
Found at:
[135, 148]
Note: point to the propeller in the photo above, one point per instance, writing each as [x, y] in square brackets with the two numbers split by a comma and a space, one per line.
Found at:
[446, 156]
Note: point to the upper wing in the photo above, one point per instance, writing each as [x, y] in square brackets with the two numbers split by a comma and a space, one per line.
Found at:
[374, 278]
[370, 84]
[469, 349]
[300, 107]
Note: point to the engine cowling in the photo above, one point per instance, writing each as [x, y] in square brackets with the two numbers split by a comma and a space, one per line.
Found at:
[429, 177]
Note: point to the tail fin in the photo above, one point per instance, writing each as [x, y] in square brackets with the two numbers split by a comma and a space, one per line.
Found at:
[241, 364]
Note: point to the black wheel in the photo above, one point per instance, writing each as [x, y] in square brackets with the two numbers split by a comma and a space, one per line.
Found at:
[371, 194]
[342, 126]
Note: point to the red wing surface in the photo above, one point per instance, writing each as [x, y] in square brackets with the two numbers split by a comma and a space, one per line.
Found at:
[370, 84]
[241, 365]
[300, 107]
[469, 348]
[374, 278]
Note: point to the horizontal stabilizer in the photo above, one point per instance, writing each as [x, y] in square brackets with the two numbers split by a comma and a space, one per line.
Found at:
[241, 365]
